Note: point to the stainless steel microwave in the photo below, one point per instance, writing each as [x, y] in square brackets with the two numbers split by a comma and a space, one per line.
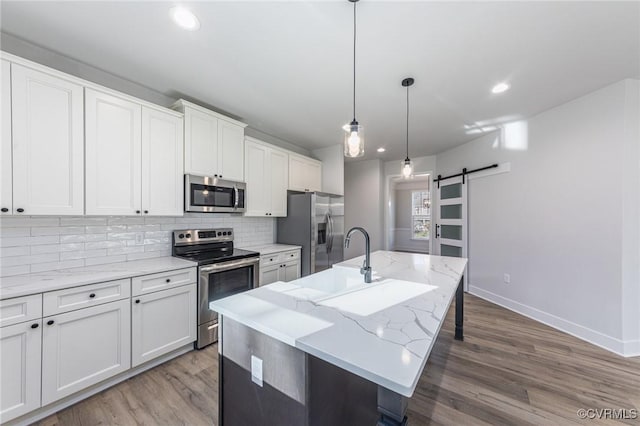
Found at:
[213, 195]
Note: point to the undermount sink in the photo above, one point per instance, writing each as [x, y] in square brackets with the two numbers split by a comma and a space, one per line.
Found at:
[345, 290]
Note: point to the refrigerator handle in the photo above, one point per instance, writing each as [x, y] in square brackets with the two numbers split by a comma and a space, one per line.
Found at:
[330, 236]
[327, 227]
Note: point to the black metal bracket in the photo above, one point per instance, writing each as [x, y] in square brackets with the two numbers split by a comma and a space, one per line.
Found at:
[464, 173]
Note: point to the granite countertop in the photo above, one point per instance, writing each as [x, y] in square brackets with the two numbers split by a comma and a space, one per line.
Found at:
[271, 248]
[41, 282]
[382, 331]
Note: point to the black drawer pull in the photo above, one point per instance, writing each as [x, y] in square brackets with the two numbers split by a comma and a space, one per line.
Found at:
[168, 280]
[137, 300]
[50, 322]
[4, 210]
[92, 295]
[146, 212]
[137, 211]
[19, 210]
[35, 325]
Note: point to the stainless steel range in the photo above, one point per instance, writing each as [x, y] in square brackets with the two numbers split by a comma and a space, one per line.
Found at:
[222, 271]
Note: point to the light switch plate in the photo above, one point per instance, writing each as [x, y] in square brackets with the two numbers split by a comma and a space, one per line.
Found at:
[256, 370]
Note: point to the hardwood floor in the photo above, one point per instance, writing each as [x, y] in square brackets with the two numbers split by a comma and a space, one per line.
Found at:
[510, 370]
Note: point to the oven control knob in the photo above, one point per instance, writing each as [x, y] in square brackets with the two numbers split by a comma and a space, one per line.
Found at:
[181, 236]
[188, 235]
[219, 233]
[229, 232]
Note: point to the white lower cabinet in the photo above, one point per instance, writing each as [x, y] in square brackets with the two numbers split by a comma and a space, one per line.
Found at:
[84, 347]
[162, 321]
[282, 266]
[20, 358]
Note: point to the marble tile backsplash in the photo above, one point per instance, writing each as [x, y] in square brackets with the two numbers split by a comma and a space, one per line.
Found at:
[44, 243]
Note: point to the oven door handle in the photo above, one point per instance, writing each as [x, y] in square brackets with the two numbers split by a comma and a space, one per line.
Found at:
[236, 196]
[217, 267]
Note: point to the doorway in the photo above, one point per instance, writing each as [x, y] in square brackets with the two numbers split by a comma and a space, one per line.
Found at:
[409, 214]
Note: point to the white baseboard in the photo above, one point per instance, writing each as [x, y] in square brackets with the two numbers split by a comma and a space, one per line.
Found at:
[624, 348]
[68, 401]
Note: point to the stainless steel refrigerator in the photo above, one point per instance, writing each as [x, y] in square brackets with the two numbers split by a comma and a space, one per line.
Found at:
[315, 221]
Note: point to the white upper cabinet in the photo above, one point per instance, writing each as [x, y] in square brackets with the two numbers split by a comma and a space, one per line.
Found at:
[134, 158]
[47, 149]
[305, 174]
[6, 176]
[279, 170]
[162, 175]
[230, 151]
[213, 143]
[266, 175]
[201, 143]
[113, 159]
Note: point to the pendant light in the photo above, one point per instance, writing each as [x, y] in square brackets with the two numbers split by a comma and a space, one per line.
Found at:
[354, 132]
[407, 165]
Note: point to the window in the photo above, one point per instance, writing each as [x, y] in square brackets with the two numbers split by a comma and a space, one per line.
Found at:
[420, 214]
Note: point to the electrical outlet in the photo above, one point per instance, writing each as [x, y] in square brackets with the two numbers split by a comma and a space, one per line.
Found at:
[256, 370]
[507, 278]
[139, 238]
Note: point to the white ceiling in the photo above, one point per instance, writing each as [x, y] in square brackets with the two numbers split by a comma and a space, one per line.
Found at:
[285, 67]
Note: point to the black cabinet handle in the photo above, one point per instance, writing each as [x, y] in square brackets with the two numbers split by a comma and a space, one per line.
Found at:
[4, 210]
[36, 325]
[168, 280]
[137, 300]
[437, 229]
[137, 211]
[50, 322]
[146, 212]
[220, 176]
[92, 295]
[20, 210]
[216, 176]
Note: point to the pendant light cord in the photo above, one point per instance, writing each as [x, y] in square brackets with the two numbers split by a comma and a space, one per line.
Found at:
[407, 123]
[354, 61]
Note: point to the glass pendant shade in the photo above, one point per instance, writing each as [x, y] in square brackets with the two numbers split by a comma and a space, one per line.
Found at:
[353, 140]
[407, 169]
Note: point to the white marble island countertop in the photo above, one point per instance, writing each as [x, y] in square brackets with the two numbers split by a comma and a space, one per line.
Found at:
[382, 331]
[41, 282]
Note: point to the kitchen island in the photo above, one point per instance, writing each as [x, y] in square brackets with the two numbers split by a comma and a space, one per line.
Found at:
[331, 349]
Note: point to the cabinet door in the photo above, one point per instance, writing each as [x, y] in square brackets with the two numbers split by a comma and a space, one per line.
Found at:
[20, 369]
[48, 144]
[113, 163]
[305, 174]
[162, 322]
[6, 177]
[269, 274]
[230, 151]
[290, 271]
[258, 194]
[279, 178]
[162, 162]
[200, 143]
[84, 347]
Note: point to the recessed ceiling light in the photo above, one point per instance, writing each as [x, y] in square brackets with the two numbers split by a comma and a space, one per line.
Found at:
[184, 18]
[381, 149]
[500, 87]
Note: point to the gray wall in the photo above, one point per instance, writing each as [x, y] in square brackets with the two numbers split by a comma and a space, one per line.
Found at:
[564, 221]
[363, 203]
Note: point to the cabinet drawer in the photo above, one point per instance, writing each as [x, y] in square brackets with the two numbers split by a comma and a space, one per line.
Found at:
[70, 299]
[20, 309]
[269, 259]
[162, 281]
[290, 255]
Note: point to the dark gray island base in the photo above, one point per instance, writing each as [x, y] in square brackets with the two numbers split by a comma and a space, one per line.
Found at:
[298, 388]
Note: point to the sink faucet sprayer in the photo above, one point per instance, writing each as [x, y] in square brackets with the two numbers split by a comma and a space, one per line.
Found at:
[366, 266]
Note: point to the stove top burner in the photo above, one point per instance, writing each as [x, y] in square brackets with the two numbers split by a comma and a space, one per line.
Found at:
[206, 246]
